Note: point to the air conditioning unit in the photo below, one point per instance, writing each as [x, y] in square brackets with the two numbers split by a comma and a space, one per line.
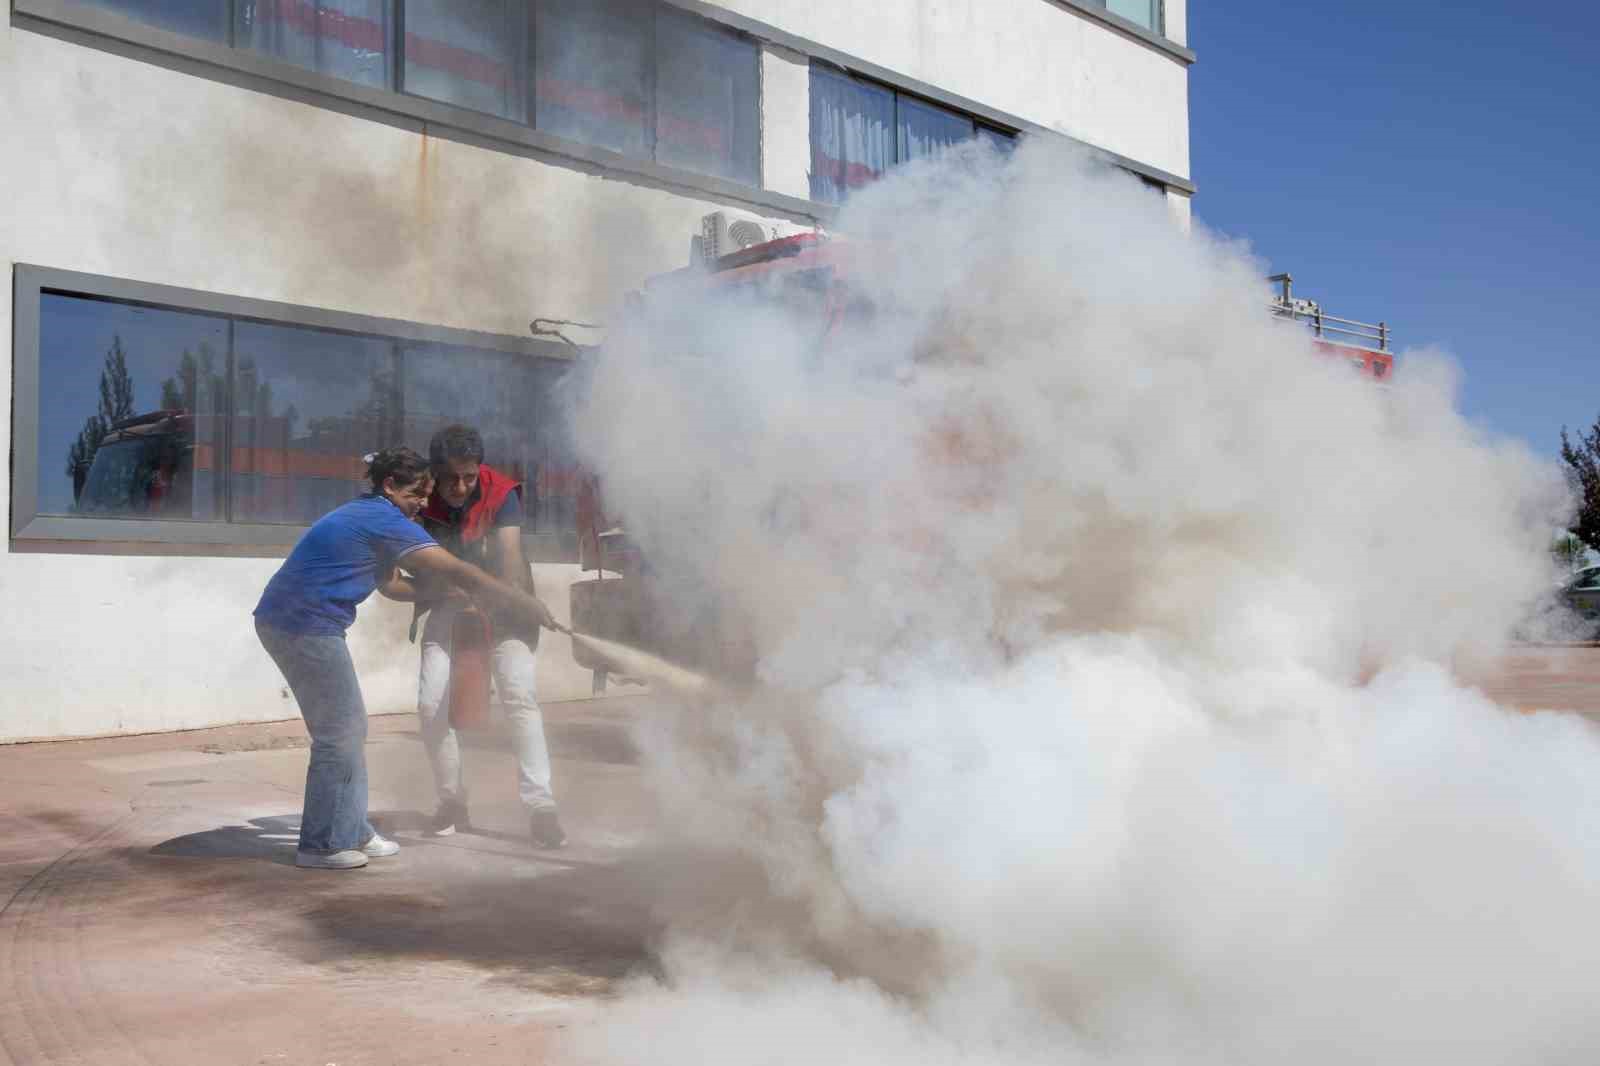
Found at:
[722, 233]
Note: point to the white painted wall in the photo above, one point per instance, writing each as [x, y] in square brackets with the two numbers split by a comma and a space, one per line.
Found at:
[1041, 61]
[1177, 14]
[786, 121]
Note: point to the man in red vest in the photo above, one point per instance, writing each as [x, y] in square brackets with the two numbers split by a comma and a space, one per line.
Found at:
[475, 511]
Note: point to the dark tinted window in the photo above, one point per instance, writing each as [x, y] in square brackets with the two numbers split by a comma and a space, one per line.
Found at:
[641, 78]
[706, 86]
[198, 18]
[346, 39]
[852, 133]
[135, 420]
[593, 73]
[859, 129]
[471, 53]
[926, 129]
[129, 411]
[308, 404]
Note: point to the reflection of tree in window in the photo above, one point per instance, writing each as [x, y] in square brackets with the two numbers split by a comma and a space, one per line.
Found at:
[308, 404]
[146, 463]
[116, 403]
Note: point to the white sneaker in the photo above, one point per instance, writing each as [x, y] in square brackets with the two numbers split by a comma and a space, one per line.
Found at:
[380, 846]
[348, 859]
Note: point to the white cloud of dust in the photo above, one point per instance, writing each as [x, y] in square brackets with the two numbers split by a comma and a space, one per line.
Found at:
[1107, 640]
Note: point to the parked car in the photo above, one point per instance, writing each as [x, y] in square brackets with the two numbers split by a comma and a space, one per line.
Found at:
[1582, 593]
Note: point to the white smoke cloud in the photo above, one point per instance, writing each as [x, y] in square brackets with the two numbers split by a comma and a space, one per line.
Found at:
[1108, 640]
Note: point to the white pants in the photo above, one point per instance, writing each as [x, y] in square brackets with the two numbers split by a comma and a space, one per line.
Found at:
[512, 666]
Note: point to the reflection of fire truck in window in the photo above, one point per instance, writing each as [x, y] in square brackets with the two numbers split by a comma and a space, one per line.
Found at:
[813, 275]
[144, 467]
[167, 465]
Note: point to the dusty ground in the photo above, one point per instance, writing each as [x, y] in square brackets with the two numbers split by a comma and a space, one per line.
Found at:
[153, 915]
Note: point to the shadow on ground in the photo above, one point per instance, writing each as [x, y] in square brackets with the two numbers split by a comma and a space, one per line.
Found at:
[545, 922]
[572, 931]
[272, 838]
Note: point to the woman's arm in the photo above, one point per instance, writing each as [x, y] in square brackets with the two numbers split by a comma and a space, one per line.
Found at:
[398, 587]
[434, 562]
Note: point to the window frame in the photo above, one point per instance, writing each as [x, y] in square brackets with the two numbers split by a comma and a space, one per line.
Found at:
[32, 531]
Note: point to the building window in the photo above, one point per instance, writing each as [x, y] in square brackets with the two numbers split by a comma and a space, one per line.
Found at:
[636, 77]
[206, 19]
[1145, 13]
[346, 39]
[649, 82]
[852, 133]
[150, 416]
[471, 53]
[859, 129]
[593, 68]
[131, 410]
[705, 79]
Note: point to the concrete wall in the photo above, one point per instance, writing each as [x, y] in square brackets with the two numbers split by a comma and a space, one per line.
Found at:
[117, 167]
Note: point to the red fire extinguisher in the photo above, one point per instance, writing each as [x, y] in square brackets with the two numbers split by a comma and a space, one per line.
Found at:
[470, 641]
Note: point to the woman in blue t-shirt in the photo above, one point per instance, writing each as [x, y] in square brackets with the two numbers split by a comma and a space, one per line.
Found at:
[302, 618]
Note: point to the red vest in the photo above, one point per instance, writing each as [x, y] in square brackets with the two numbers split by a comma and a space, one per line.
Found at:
[463, 536]
[466, 537]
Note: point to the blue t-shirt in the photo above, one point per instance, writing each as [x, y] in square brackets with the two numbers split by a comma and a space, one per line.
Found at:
[337, 564]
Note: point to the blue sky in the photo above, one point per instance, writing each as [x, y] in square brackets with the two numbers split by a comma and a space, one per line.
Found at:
[1431, 165]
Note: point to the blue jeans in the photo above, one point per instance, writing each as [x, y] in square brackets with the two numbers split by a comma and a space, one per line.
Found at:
[323, 680]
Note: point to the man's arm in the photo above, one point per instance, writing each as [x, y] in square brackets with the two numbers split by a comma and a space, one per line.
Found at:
[509, 563]
[434, 561]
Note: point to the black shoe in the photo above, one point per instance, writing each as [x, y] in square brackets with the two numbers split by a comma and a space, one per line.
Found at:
[545, 828]
[451, 815]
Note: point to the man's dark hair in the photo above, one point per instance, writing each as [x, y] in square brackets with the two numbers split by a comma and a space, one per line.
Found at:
[455, 442]
[402, 464]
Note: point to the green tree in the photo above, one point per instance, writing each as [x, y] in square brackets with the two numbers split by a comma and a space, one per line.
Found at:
[197, 386]
[1583, 472]
[116, 403]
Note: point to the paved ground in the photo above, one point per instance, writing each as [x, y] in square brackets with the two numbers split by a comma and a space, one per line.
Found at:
[154, 919]
[155, 916]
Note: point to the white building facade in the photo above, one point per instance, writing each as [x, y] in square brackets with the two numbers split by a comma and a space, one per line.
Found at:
[251, 240]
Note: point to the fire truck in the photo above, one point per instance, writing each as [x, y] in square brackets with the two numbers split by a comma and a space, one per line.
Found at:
[812, 275]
